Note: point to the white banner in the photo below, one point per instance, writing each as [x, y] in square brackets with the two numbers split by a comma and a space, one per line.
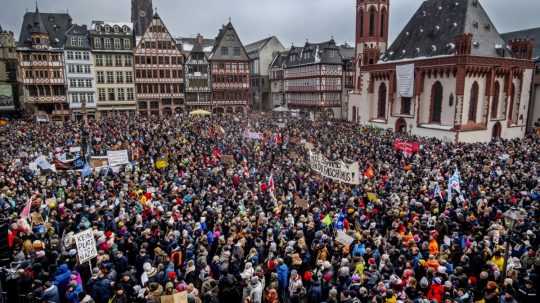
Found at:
[343, 238]
[86, 246]
[117, 157]
[335, 170]
[252, 135]
[405, 80]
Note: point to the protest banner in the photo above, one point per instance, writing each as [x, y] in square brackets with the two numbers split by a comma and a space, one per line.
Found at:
[253, 135]
[343, 238]
[407, 147]
[97, 162]
[86, 246]
[309, 146]
[117, 157]
[335, 170]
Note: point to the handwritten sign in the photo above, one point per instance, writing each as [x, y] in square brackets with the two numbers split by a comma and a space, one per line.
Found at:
[335, 170]
[86, 246]
[117, 157]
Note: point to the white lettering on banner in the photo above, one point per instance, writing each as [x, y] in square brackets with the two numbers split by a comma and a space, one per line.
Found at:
[86, 246]
[405, 80]
[118, 157]
[335, 170]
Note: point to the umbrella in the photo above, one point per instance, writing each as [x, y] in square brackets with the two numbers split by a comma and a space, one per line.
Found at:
[200, 112]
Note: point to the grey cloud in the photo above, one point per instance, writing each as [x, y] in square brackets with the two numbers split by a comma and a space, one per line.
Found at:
[290, 20]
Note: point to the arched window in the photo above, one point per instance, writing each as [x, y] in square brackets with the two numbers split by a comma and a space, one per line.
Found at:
[473, 102]
[436, 102]
[372, 14]
[495, 102]
[381, 106]
[360, 24]
[512, 101]
[383, 22]
[354, 114]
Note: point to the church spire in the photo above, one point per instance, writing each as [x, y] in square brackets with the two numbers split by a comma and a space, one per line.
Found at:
[38, 27]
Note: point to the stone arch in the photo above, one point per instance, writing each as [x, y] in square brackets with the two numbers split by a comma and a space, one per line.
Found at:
[496, 132]
[401, 126]
[372, 21]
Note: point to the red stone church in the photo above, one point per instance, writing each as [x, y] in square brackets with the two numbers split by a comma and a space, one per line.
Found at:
[448, 74]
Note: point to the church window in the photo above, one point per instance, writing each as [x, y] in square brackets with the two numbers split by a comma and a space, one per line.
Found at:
[372, 14]
[436, 102]
[381, 107]
[405, 105]
[383, 22]
[473, 103]
[495, 102]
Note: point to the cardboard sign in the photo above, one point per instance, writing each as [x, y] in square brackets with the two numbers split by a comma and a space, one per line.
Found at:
[343, 238]
[302, 203]
[228, 159]
[309, 146]
[86, 245]
[180, 297]
[96, 162]
[117, 157]
[36, 218]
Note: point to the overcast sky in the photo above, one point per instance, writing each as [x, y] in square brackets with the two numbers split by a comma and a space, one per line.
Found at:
[289, 20]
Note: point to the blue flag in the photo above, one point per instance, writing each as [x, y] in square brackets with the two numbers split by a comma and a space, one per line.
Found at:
[86, 170]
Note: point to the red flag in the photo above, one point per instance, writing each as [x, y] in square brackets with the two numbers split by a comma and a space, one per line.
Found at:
[25, 213]
[271, 185]
[369, 173]
[216, 152]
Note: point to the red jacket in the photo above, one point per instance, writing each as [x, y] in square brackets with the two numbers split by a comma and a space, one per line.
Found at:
[436, 292]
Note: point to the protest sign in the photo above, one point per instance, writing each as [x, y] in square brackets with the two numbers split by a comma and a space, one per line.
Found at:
[86, 245]
[343, 238]
[408, 148]
[302, 203]
[228, 159]
[335, 170]
[117, 157]
[180, 297]
[97, 162]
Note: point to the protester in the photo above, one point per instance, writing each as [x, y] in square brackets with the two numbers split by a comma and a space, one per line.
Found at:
[228, 209]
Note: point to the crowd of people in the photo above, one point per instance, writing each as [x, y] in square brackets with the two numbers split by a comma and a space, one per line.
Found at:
[224, 218]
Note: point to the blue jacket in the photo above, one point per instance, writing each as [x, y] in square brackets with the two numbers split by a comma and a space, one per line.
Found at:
[283, 276]
[62, 277]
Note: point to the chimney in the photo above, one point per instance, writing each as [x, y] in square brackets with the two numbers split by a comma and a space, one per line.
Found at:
[522, 48]
[463, 44]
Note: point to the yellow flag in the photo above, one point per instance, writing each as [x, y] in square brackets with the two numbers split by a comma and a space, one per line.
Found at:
[372, 197]
[161, 163]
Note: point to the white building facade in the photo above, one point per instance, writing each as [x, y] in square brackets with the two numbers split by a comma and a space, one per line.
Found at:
[79, 70]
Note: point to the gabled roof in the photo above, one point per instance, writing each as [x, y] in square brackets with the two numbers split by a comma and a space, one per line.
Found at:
[258, 45]
[55, 25]
[433, 28]
[227, 37]
[156, 21]
[532, 33]
[77, 30]
[314, 53]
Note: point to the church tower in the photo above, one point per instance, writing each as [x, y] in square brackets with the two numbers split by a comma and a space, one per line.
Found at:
[371, 30]
[141, 15]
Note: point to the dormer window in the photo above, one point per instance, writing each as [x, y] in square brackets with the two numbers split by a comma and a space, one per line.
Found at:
[125, 29]
[107, 29]
[116, 29]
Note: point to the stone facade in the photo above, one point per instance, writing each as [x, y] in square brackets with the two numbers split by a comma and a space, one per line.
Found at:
[8, 73]
[277, 79]
[159, 71]
[112, 56]
[40, 70]
[79, 70]
[230, 73]
[141, 15]
[260, 55]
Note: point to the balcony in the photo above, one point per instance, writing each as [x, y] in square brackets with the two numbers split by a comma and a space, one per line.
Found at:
[197, 89]
[44, 99]
[230, 85]
[43, 81]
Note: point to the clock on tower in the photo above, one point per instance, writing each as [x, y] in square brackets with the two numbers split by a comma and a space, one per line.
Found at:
[141, 15]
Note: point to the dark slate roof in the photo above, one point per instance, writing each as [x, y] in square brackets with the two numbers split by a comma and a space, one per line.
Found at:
[258, 45]
[279, 59]
[532, 33]
[432, 30]
[314, 53]
[347, 52]
[223, 40]
[55, 25]
[188, 45]
[77, 30]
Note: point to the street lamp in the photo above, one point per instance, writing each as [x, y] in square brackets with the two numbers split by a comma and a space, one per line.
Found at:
[510, 217]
